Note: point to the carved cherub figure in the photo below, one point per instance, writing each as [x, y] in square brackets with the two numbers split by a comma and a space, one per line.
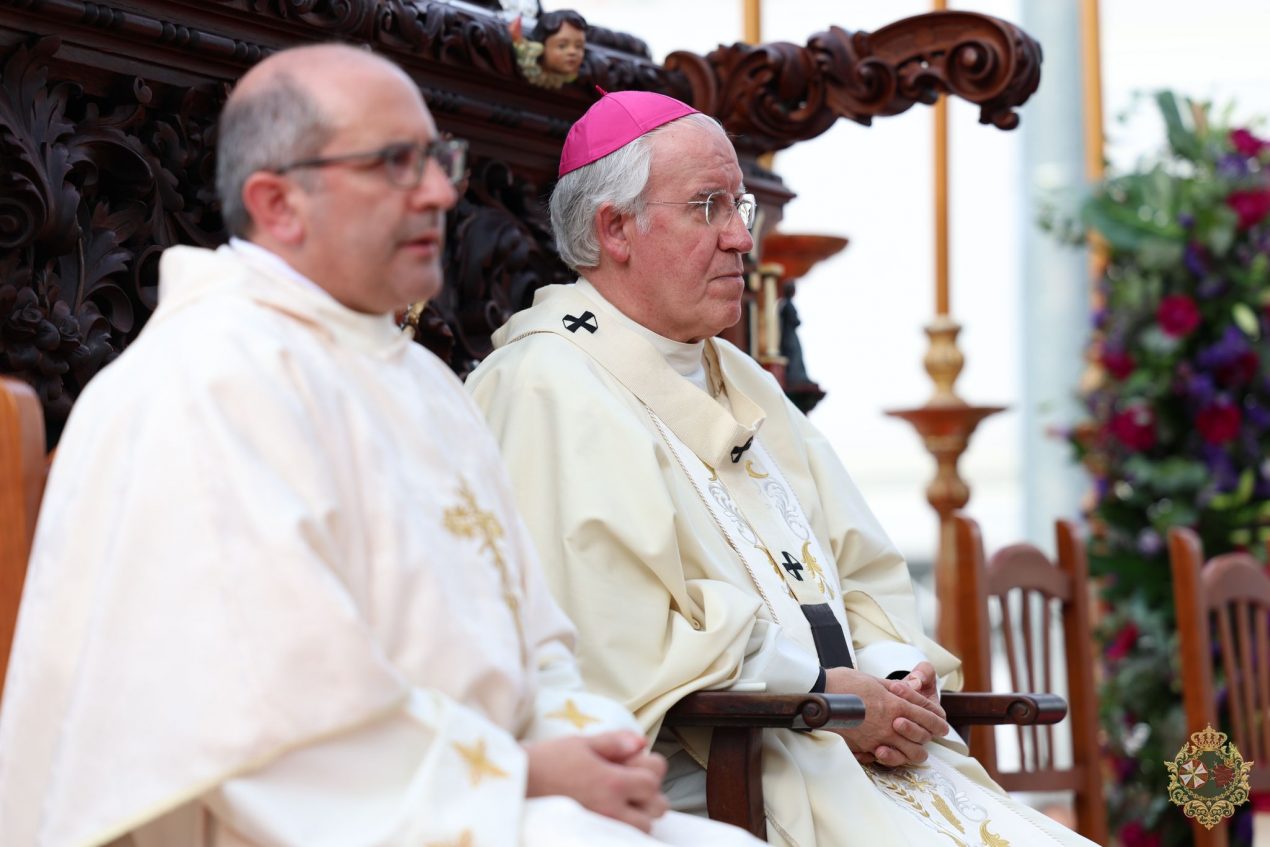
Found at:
[553, 52]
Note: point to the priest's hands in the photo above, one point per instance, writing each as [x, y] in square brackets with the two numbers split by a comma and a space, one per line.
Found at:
[898, 721]
[611, 773]
[922, 680]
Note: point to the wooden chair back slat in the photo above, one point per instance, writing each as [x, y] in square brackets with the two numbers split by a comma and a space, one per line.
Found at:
[1226, 601]
[1263, 683]
[1031, 594]
[23, 467]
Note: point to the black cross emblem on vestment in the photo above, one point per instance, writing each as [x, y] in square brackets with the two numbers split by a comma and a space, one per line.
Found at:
[587, 322]
[792, 565]
[737, 452]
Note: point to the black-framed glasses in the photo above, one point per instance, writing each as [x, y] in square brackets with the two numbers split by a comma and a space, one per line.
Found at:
[403, 162]
[719, 207]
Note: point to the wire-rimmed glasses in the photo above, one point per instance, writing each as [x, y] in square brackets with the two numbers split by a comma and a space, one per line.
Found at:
[719, 207]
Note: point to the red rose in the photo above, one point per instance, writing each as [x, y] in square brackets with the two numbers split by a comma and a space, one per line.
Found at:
[1134, 834]
[1250, 206]
[1219, 422]
[1246, 143]
[1124, 641]
[1118, 363]
[1178, 316]
[1134, 427]
[1240, 371]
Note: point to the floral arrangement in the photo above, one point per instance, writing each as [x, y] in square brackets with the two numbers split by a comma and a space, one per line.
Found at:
[1178, 427]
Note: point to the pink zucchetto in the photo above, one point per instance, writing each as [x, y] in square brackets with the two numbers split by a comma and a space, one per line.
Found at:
[614, 121]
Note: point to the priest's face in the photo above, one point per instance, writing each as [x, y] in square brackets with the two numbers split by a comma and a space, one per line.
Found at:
[689, 271]
[372, 242]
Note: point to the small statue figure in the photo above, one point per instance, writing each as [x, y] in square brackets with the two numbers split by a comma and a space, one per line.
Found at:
[553, 53]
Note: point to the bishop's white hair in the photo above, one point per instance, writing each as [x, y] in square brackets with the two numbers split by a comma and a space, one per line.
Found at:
[618, 179]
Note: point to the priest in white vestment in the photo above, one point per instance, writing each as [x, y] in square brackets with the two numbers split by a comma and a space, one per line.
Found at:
[280, 594]
[697, 529]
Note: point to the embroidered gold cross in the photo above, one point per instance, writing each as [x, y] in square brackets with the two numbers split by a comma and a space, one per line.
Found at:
[478, 764]
[573, 715]
[469, 520]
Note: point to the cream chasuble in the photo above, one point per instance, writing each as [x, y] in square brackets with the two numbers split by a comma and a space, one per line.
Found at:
[280, 595]
[672, 524]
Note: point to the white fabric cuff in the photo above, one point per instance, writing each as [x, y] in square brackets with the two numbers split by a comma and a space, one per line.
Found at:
[775, 663]
[882, 658]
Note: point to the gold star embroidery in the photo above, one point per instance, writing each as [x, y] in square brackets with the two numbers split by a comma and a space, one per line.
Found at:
[573, 715]
[464, 840]
[478, 764]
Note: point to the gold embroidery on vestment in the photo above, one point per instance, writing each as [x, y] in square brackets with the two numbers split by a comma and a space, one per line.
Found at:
[754, 474]
[573, 715]
[816, 571]
[714, 476]
[991, 839]
[941, 806]
[479, 765]
[469, 520]
[780, 573]
[464, 840]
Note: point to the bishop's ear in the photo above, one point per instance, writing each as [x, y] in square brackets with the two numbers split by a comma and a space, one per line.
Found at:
[613, 229]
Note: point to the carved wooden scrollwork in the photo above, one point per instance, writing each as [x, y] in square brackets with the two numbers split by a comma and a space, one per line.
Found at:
[777, 94]
[107, 138]
[94, 189]
[498, 252]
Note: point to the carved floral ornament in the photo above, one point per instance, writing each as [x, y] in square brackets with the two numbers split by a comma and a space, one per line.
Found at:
[104, 168]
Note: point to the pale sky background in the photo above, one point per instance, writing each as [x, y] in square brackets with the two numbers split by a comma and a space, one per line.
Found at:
[864, 310]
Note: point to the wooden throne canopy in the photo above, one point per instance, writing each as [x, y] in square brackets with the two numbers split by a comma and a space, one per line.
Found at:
[108, 127]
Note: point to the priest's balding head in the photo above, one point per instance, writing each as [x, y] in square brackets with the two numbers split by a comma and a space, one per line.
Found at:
[651, 208]
[329, 158]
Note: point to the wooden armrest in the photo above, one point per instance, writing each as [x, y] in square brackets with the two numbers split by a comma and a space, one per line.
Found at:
[788, 711]
[975, 707]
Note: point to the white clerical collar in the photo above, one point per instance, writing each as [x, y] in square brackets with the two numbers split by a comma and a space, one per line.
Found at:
[688, 360]
[275, 262]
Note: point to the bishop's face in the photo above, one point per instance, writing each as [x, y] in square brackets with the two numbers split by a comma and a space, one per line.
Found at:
[689, 272]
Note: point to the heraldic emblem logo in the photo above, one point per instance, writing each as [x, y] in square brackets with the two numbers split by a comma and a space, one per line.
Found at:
[1208, 778]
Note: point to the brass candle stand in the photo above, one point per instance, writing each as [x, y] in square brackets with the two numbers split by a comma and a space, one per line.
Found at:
[945, 425]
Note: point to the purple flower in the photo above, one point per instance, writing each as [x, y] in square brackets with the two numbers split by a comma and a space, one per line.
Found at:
[1231, 360]
[1258, 416]
[1200, 389]
[1211, 287]
[1196, 258]
[1149, 544]
[1224, 473]
[1186, 220]
[1232, 166]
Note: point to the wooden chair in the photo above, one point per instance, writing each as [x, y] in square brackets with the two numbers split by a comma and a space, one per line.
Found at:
[1227, 601]
[734, 787]
[1031, 593]
[23, 467]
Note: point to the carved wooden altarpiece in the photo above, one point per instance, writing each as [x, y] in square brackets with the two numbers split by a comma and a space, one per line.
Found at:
[108, 130]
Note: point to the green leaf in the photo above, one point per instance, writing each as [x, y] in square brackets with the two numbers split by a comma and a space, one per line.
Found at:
[1246, 319]
[1181, 139]
[1159, 254]
[1241, 495]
